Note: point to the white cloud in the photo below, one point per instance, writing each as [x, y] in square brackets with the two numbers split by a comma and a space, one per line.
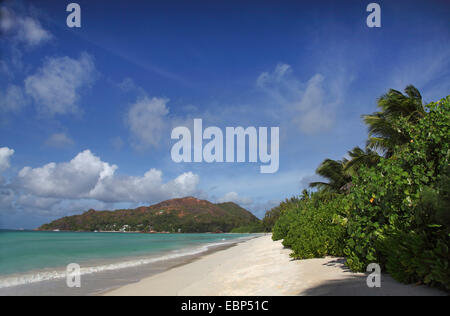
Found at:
[314, 113]
[309, 105]
[33, 202]
[279, 73]
[87, 177]
[31, 31]
[147, 188]
[7, 197]
[59, 140]
[72, 179]
[56, 86]
[5, 156]
[234, 197]
[128, 85]
[13, 99]
[146, 120]
[86, 182]
[22, 29]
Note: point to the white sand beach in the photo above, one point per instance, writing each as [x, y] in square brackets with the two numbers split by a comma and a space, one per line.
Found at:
[263, 267]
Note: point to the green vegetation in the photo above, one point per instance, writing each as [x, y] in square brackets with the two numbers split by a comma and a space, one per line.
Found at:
[315, 227]
[187, 215]
[388, 203]
[256, 227]
[272, 216]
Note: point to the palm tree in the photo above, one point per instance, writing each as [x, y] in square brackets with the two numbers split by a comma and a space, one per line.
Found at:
[305, 195]
[359, 158]
[334, 172]
[339, 172]
[383, 133]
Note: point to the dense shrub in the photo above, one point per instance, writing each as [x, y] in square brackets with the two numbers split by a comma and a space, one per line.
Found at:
[395, 212]
[288, 216]
[272, 216]
[401, 216]
[382, 200]
[422, 254]
[251, 228]
[314, 227]
[319, 231]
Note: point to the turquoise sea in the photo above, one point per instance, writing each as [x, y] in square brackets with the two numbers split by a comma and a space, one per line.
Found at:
[29, 256]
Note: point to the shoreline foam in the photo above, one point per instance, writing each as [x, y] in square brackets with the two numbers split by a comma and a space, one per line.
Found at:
[53, 274]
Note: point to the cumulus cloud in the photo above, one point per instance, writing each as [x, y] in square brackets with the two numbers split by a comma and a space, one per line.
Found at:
[5, 157]
[146, 120]
[23, 29]
[31, 31]
[147, 188]
[56, 86]
[309, 105]
[73, 179]
[86, 176]
[234, 197]
[59, 140]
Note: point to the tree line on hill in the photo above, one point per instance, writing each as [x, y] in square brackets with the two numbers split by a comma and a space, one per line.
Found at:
[183, 215]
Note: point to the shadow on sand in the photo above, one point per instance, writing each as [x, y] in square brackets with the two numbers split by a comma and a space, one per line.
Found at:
[355, 285]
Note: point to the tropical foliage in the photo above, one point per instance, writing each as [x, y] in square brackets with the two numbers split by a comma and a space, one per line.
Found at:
[388, 203]
[311, 230]
[272, 216]
[384, 134]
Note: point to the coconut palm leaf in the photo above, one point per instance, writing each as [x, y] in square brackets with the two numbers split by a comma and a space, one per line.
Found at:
[383, 134]
[333, 171]
[359, 158]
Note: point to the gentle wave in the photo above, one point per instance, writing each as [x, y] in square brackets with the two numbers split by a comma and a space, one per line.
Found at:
[55, 275]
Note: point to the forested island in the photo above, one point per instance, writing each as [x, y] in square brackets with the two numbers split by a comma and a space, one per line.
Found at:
[183, 215]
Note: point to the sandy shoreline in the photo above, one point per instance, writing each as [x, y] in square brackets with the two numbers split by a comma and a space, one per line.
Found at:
[262, 267]
[106, 280]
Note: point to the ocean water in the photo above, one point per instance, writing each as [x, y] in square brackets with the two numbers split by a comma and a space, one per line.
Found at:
[30, 257]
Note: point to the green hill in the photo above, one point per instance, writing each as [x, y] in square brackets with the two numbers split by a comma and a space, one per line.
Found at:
[187, 215]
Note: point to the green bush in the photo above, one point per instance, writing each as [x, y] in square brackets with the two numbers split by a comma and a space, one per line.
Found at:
[272, 216]
[395, 212]
[314, 227]
[401, 216]
[318, 231]
[422, 254]
[287, 215]
[251, 228]
[417, 257]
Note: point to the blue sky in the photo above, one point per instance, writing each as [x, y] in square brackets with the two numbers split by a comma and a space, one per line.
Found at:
[86, 113]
